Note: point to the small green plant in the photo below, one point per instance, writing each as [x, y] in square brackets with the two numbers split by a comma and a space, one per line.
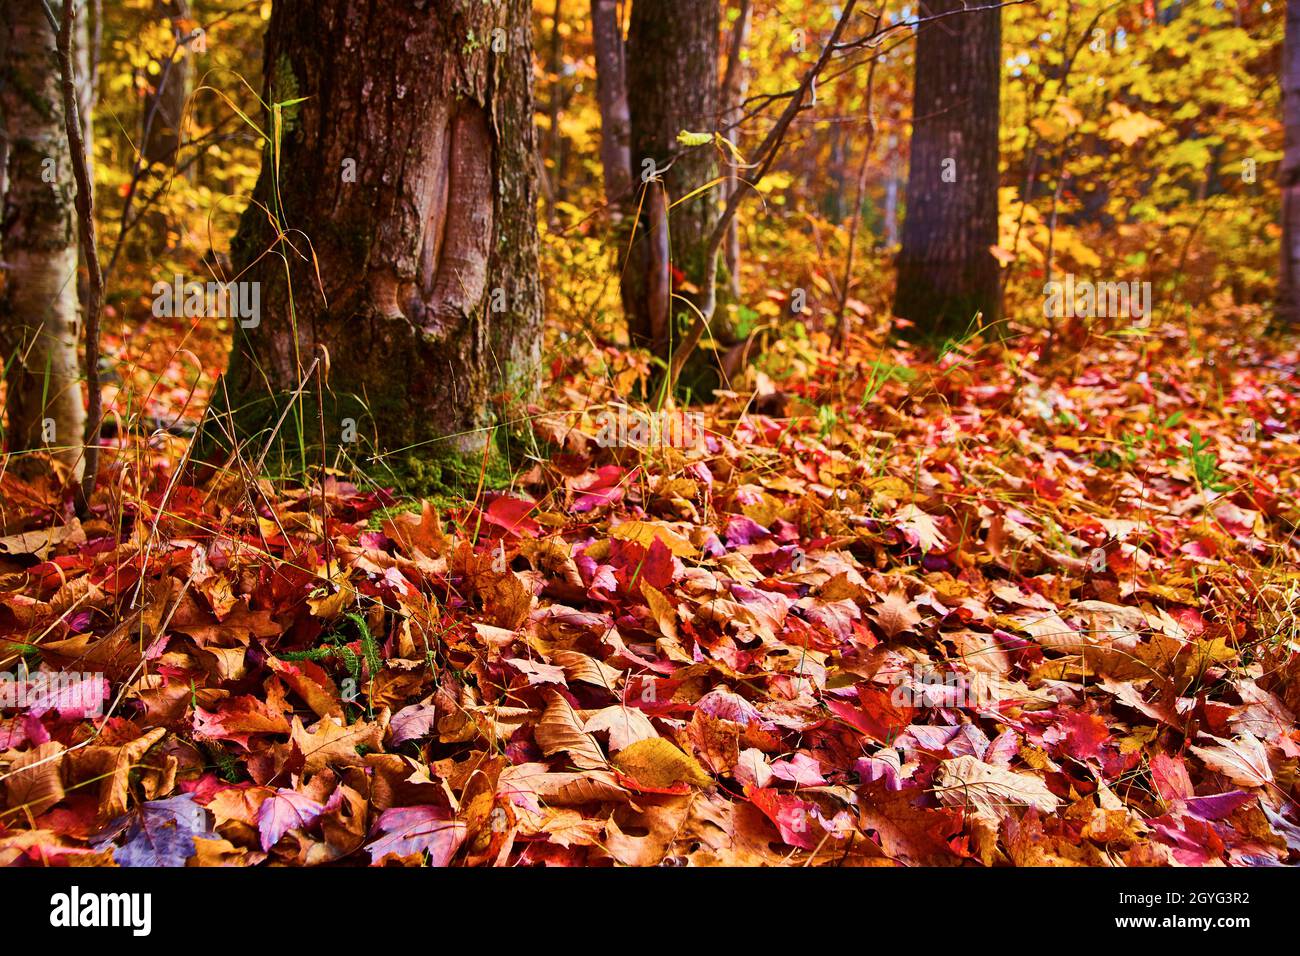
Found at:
[336, 647]
[881, 373]
[1205, 463]
[1155, 435]
[826, 420]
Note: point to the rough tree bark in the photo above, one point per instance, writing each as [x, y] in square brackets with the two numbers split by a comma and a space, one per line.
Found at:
[1288, 299]
[611, 94]
[38, 305]
[428, 260]
[735, 85]
[946, 273]
[672, 84]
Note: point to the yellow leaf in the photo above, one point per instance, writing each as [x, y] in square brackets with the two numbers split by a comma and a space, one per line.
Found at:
[1067, 112]
[644, 533]
[655, 762]
[1130, 126]
[687, 138]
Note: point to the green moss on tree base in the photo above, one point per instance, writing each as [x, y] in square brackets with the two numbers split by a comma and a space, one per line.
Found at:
[428, 467]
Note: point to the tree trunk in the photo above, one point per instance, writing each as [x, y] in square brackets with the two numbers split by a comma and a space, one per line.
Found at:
[1288, 299]
[557, 146]
[86, 54]
[735, 84]
[611, 94]
[164, 104]
[946, 273]
[38, 304]
[409, 166]
[672, 86]
[891, 196]
[161, 120]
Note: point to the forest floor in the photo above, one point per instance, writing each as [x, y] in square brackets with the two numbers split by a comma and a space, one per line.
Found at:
[962, 610]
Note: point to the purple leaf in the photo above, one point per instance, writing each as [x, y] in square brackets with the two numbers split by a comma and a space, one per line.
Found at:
[162, 833]
[283, 811]
[800, 769]
[742, 530]
[410, 830]
[412, 722]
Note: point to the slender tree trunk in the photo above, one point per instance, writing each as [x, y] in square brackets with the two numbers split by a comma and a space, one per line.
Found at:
[946, 273]
[164, 104]
[891, 196]
[38, 304]
[555, 109]
[1288, 300]
[735, 85]
[611, 94]
[672, 86]
[409, 165]
[86, 53]
[163, 117]
[833, 204]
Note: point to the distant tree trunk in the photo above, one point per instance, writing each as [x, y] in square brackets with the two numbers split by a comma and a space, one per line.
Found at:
[164, 103]
[611, 94]
[38, 304]
[946, 273]
[558, 145]
[833, 203]
[410, 167]
[163, 115]
[672, 86]
[891, 196]
[86, 53]
[87, 66]
[1288, 300]
[735, 85]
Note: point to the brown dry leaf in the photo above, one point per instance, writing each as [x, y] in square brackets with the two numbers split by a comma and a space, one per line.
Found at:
[625, 725]
[920, 528]
[507, 600]
[908, 834]
[1047, 628]
[968, 782]
[33, 783]
[311, 682]
[38, 544]
[422, 534]
[238, 804]
[660, 824]
[560, 729]
[119, 652]
[896, 614]
[580, 667]
[221, 852]
[112, 766]
[561, 789]
[331, 743]
[716, 741]
[731, 833]
[569, 828]
[1244, 761]
[665, 615]
[328, 605]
